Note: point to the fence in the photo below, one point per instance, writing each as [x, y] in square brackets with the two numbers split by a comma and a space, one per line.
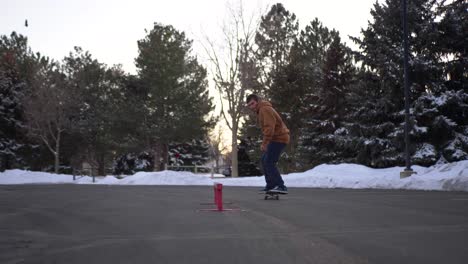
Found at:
[77, 174]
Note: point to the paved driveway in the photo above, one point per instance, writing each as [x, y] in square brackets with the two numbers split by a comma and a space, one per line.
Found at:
[162, 224]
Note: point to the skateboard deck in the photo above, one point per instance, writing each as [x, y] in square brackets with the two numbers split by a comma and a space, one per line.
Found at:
[272, 195]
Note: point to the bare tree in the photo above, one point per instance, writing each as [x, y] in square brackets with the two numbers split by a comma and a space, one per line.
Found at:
[49, 109]
[217, 145]
[227, 63]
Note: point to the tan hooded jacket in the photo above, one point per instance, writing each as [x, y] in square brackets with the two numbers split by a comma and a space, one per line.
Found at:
[273, 127]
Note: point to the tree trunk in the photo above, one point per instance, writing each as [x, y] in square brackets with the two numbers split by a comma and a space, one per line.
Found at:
[57, 162]
[5, 163]
[157, 157]
[165, 156]
[235, 163]
[217, 163]
[57, 153]
[293, 141]
[101, 164]
[292, 150]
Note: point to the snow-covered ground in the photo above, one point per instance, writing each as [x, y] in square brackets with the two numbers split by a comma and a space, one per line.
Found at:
[448, 177]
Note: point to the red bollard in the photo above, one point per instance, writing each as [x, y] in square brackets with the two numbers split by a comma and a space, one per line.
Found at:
[218, 201]
[218, 190]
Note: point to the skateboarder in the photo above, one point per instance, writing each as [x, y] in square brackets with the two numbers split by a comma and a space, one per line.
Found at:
[275, 137]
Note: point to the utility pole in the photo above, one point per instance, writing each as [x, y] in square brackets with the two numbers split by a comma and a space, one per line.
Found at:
[408, 171]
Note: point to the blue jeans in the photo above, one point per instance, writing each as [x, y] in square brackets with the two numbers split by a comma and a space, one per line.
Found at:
[269, 160]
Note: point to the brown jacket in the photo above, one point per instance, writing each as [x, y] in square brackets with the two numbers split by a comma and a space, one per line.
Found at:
[273, 127]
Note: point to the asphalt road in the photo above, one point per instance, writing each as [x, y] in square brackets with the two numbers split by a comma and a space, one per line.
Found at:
[157, 224]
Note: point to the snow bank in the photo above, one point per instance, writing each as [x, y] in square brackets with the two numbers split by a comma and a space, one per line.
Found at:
[28, 177]
[449, 177]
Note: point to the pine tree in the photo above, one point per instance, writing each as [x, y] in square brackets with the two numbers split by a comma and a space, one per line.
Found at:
[326, 75]
[131, 163]
[451, 43]
[16, 69]
[275, 37]
[371, 124]
[101, 99]
[11, 90]
[247, 165]
[176, 102]
[441, 129]
[378, 115]
[195, 152]
[381, 48]
[279, 70]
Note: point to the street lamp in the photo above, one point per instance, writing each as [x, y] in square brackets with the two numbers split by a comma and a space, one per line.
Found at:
[408, 171]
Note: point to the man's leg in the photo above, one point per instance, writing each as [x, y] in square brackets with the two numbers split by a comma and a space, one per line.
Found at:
[269, 181]
[271, 157]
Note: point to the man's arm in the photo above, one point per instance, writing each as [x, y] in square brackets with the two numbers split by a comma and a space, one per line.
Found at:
[268, 126]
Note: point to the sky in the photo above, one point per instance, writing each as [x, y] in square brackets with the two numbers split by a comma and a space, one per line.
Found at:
[110, 29]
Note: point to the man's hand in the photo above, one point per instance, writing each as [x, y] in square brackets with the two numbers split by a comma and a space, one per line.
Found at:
[263, 148]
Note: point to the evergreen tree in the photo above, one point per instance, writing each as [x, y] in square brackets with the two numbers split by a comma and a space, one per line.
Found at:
[377, 114]
[328, 80]
[381, 49]
[130, 115]
[247, 166]
[17, 64]
[11, 90]
[371, 124]
[101, 99]
[176, 102]
[195, 152]
[275, 37]
[337, 75]
[451, 43]
[279, 70]
[131, 163]
[442, 116]
[441, 127]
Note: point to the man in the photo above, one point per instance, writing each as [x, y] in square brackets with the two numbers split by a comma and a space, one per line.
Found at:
[275, 137]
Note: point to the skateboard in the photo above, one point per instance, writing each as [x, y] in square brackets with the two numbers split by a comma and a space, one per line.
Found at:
[272, 195]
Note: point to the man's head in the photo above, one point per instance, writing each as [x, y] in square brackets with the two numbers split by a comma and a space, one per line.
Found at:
[252, 101]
